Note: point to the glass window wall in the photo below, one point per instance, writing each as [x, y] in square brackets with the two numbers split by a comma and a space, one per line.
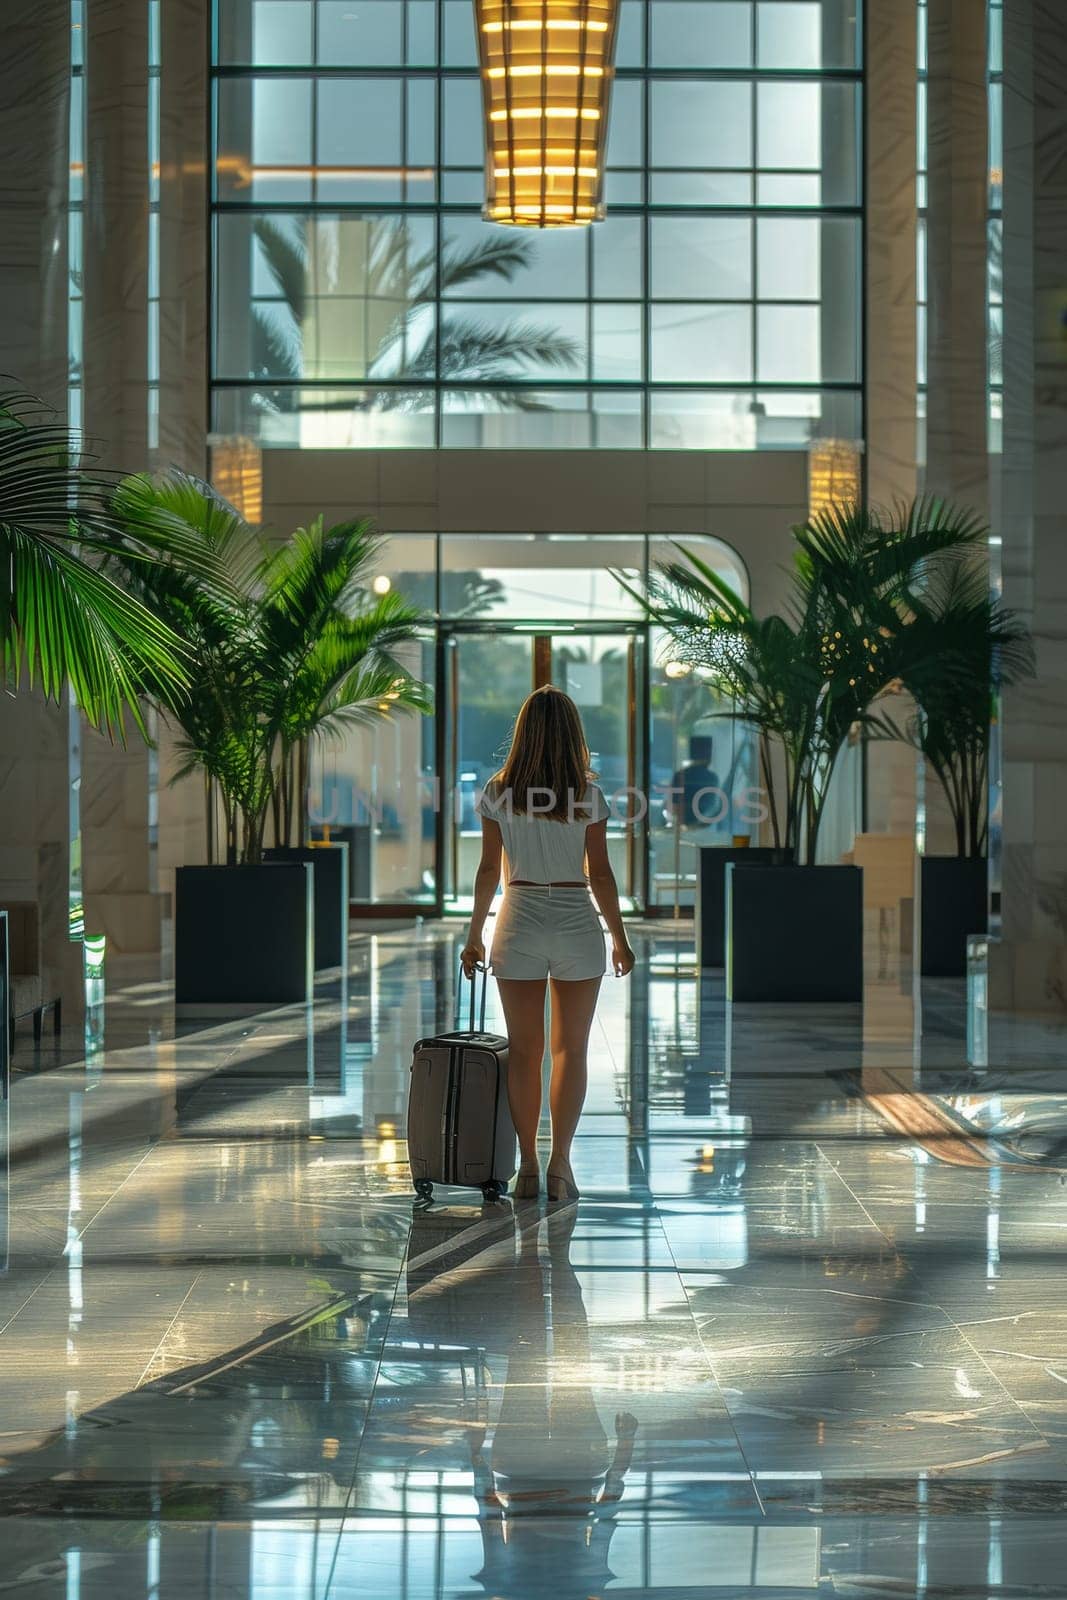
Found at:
[359, 299]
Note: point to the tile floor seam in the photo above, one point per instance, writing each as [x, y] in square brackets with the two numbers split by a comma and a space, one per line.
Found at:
[83, 1230]
[57, 1265]
[837, 1173]
[711, 1365]
[981, 1359]
[36, 1288]
[169, 1328]
[1005, 1392]
[342, 1520]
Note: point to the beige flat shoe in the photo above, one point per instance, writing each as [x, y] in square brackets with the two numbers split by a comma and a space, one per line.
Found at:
[561, 1185]
[527, 1184]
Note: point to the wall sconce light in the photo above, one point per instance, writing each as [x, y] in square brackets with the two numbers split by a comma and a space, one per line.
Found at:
[833, 475]
[237, 474]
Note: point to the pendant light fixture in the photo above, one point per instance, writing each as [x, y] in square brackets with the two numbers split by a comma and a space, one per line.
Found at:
[546, 68]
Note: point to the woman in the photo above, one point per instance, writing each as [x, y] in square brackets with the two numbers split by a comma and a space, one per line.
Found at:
[546, 817]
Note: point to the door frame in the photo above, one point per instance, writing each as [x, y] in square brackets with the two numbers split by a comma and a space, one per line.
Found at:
[638, 755]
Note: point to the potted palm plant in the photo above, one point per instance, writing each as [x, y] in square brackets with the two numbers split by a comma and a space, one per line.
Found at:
[804, 679]
[772, 673]
[960, 648]
[287, 644]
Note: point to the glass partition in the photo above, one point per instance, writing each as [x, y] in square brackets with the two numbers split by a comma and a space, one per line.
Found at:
[487, 677]
[703, 776]
[374, 785]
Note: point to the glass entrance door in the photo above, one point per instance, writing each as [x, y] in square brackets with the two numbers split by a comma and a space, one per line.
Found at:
[487, 677]
[603, 673]
[487, 673]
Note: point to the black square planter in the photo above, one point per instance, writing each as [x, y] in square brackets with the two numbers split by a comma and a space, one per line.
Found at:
[711, 893]
[330, 865]
[953, 904]
[244, 936]
[359, 837]
[794, 933]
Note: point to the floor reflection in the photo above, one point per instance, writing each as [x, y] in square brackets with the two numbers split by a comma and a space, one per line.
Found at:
[803, 1333]
[546, 1481]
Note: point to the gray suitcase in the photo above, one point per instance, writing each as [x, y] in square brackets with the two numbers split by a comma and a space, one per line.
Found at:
[459, 1121]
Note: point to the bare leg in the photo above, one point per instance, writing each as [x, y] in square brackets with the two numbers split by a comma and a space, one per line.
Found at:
[573, 1005]
[523, 1000]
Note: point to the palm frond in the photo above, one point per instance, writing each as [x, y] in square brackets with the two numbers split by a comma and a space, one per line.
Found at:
[66, 622]
[318, 568]
[62, 618]
[373, 690]
[498, 255]
[284, 254]
[210, 546]
[476, 352]
[283, 336]
[398, 271]
[862, 556]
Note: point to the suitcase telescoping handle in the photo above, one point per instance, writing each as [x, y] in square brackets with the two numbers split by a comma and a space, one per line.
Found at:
[459, 1001]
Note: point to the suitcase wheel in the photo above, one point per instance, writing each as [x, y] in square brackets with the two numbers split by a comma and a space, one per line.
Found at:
[493, 1189]
[424, 1188]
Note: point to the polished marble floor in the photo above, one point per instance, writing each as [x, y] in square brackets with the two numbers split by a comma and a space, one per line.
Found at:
[805, 1332]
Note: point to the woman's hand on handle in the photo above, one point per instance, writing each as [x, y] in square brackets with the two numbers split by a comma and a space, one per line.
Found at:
[622, 958]
[472, 957]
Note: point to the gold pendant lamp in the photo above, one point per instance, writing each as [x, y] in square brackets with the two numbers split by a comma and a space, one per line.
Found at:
[546, 68]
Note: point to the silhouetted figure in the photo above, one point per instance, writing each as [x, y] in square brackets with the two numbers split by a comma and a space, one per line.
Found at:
[689, 807]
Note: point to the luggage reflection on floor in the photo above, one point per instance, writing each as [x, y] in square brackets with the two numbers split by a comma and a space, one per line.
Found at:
[546, 1477]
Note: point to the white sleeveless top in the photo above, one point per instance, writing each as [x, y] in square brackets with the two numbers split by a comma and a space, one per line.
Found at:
[538, 848]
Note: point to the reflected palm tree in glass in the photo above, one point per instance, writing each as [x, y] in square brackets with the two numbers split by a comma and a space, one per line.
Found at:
[357, 299]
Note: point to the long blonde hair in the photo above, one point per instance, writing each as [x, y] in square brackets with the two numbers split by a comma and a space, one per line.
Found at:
[549, 754]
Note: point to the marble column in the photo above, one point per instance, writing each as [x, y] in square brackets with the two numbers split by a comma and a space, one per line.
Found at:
[891, 356]
[116, 232]
[34, 178]
[35, 760]
[957, 462]
[957, 465]
[891, 246]
[184, 334]
[117, 779]
[1028, 965]
[184, 237]
[122, 800]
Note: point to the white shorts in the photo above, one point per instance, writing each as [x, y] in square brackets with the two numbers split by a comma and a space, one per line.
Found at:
[543, 932]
